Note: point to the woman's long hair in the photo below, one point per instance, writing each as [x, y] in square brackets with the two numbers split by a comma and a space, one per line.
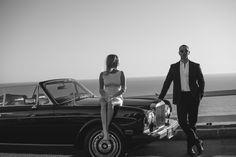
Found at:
[112, 62]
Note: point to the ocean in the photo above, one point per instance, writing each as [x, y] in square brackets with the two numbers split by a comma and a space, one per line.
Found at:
[218, 105]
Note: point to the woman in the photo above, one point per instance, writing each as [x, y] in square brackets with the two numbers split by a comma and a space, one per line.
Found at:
[111, 87]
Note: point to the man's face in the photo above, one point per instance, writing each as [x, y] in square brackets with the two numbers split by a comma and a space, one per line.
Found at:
[184, 52]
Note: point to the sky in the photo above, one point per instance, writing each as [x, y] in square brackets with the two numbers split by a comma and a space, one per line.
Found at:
[46, 39]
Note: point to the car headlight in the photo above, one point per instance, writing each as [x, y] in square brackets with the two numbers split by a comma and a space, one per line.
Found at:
[167, 111]
[149, 120]
[158, 115]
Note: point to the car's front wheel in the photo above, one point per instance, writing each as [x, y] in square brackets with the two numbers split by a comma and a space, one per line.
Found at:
[95, 146]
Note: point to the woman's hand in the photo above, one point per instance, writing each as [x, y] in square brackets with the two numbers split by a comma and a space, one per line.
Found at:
[106, 97]
[110, 99]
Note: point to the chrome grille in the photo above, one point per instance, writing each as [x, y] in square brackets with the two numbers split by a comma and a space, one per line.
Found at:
[160, 115]
[159, 110]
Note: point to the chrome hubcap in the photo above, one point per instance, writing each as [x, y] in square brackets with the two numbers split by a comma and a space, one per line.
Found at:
[104, 148]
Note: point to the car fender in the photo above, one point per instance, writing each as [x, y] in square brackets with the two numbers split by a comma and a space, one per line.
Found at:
[88, 125]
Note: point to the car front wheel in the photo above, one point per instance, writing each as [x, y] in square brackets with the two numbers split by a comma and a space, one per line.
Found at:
[95, 146]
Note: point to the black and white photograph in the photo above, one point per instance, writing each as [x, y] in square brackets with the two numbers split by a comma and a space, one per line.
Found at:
[117, 78]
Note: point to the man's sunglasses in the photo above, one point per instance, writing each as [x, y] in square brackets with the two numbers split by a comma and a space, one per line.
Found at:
[183, 51]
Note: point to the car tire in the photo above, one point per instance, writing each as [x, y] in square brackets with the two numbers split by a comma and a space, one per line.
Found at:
[95, 146]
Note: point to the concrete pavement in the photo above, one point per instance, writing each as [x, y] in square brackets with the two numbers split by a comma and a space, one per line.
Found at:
[224, 147]
[219, 139]
[177, 148]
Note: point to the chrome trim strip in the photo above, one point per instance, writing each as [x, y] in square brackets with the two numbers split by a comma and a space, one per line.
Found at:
[46, 145]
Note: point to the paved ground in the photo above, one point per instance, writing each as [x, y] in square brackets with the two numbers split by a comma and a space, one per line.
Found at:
[173, 148]
[177, 148]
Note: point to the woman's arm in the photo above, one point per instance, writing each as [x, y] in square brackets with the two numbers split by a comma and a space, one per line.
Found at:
[123, 85]
[101, 86]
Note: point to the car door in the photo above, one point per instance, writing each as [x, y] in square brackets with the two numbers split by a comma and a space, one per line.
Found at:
[67, 113]
[42, 119]
[15, 113]
[26, 115]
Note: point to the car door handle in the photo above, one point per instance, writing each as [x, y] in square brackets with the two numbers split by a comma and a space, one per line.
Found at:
[32, 115]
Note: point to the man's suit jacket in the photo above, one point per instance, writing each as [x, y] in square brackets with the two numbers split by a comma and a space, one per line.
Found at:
[196, 82]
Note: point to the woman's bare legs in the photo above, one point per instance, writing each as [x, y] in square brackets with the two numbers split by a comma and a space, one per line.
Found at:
[104, 118]
[110, 109]
[107, 111]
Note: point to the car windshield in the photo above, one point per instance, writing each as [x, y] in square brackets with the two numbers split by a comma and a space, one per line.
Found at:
[67, 91]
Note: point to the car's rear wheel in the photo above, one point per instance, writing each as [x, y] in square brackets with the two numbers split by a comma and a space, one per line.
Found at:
[95, 146]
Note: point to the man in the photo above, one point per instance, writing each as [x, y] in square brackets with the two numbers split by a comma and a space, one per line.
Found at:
[188, 90]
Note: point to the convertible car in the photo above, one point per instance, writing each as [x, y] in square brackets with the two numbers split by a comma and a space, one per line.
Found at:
[63, 111]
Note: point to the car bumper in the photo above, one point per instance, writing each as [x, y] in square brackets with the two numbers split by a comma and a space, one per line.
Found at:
[164, 131]
[167, 131]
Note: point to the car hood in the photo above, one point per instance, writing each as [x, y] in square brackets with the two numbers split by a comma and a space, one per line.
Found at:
[134, 102]
[138, 102]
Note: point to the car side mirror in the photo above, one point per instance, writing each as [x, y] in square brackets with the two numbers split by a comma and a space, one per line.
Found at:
[30, 101]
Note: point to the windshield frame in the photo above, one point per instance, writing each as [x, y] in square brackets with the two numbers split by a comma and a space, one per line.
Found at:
[86, 93]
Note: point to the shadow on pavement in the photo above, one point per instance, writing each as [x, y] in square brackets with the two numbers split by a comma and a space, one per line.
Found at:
[42, 151]
[225, 147]
[222, 147]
